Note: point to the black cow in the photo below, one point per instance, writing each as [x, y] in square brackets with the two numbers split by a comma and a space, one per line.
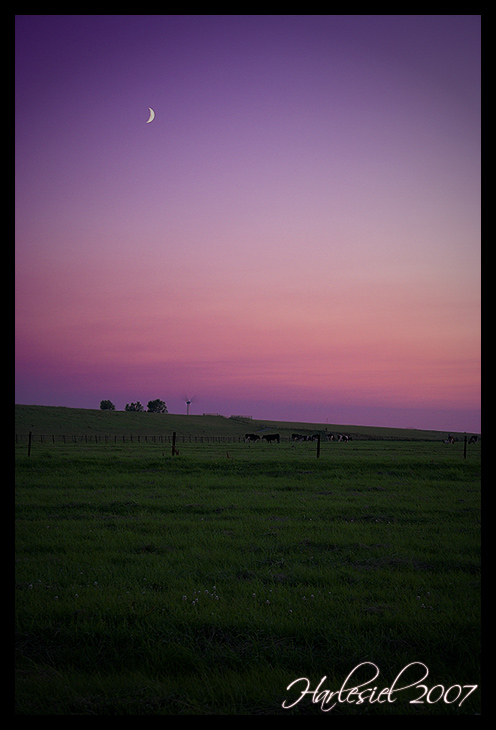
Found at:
[473, 440]
[297, 437]
[269, 437]
[251, 437]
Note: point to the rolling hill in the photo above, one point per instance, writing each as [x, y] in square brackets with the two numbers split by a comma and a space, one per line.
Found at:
[48, 420]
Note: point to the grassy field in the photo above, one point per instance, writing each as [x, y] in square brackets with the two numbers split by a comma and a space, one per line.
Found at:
[52, 420]
[208, 582]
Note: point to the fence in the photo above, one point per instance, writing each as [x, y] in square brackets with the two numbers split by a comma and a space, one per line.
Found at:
[125, 439]
[173, 439]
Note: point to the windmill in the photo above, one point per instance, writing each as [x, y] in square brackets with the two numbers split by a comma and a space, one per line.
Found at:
[188, 401]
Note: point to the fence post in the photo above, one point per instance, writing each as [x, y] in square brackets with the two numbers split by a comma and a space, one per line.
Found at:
[29, 443]
[465, 446]
[173, 443]
[318, 445]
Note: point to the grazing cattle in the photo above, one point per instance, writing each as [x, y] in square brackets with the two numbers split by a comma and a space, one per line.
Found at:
[449, 440]
[297, 437]
[342, 437]
[251, 437]
[473, 440]
[269, 437]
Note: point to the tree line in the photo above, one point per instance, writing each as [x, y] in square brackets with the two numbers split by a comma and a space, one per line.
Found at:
[153, 406]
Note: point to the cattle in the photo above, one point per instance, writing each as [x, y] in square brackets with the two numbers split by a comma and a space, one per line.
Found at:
[251, 437]
[449, 440]
[473, 440]
[269, 437]
[342, 437]
[297, 437]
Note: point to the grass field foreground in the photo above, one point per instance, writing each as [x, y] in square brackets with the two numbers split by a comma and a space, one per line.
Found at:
[206, 583]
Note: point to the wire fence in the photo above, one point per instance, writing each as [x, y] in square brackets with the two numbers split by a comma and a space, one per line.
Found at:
[173, 439]
[21, 438]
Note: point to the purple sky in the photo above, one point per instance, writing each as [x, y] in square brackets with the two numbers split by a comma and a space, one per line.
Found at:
[296, 236]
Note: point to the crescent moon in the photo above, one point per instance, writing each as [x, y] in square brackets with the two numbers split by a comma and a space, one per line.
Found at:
[152, 115]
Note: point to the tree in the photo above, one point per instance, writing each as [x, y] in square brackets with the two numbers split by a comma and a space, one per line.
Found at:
[107, 405]
[157, 406]
[134, 407]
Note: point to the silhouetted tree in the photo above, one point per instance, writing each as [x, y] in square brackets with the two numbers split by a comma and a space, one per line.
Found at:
[157, 406]
[134, 407]
[107, 405]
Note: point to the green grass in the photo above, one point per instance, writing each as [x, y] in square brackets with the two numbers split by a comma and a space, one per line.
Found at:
[206, 583]
[52, 420]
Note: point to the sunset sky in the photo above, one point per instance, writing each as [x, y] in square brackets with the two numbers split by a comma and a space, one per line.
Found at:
[296, 235]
